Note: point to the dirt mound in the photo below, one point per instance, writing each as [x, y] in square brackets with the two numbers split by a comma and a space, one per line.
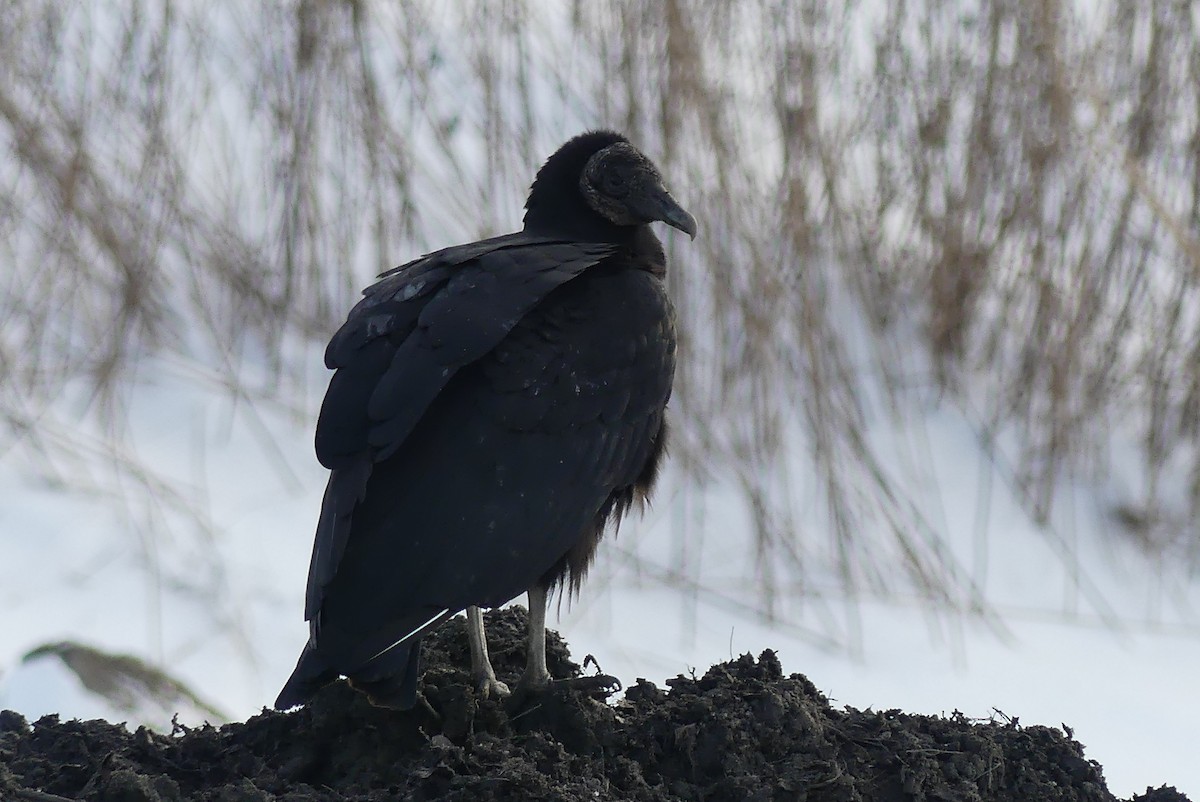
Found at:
[743, 731]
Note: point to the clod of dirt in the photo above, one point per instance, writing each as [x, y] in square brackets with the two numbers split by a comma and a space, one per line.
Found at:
[743, 732]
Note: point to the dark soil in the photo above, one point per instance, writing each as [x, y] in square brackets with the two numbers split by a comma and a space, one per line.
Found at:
[742, 732]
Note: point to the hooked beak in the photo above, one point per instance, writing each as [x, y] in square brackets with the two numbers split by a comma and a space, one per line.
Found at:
[659, 205]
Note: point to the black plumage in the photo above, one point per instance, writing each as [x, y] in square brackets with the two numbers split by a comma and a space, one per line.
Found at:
[495, 407]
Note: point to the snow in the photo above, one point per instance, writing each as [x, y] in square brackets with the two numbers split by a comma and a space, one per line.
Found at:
[47, 687]
[52, 680]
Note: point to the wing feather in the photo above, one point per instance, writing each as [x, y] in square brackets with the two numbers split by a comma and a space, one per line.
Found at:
[427, 321]
[400, 347]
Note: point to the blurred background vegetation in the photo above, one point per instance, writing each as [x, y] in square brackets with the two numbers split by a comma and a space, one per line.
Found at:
[985, 207]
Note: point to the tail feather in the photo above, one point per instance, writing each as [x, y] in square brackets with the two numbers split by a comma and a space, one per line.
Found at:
[389, 680]
[397, 687]
[310, 675]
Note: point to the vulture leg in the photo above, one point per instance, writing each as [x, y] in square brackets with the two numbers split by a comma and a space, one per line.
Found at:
[536, 675]
[482, 675]
[536, 678]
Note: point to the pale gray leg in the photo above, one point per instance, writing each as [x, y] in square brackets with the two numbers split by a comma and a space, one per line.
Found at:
[536, 675]
[482, 674]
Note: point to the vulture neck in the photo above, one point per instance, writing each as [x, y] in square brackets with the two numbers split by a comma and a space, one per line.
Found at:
[552, 212]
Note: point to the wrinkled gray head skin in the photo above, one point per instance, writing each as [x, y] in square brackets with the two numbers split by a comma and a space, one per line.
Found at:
[624, 187]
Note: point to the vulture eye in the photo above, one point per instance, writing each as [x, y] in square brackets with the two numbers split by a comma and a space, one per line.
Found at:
[614, 184]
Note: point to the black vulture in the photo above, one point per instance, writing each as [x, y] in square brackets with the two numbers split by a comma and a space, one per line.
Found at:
[496, 406]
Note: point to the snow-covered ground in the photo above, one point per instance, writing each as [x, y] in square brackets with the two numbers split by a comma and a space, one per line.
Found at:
[220, 605]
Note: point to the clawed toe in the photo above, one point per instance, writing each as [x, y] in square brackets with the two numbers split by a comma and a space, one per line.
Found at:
[596, 686]
[491, 688]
